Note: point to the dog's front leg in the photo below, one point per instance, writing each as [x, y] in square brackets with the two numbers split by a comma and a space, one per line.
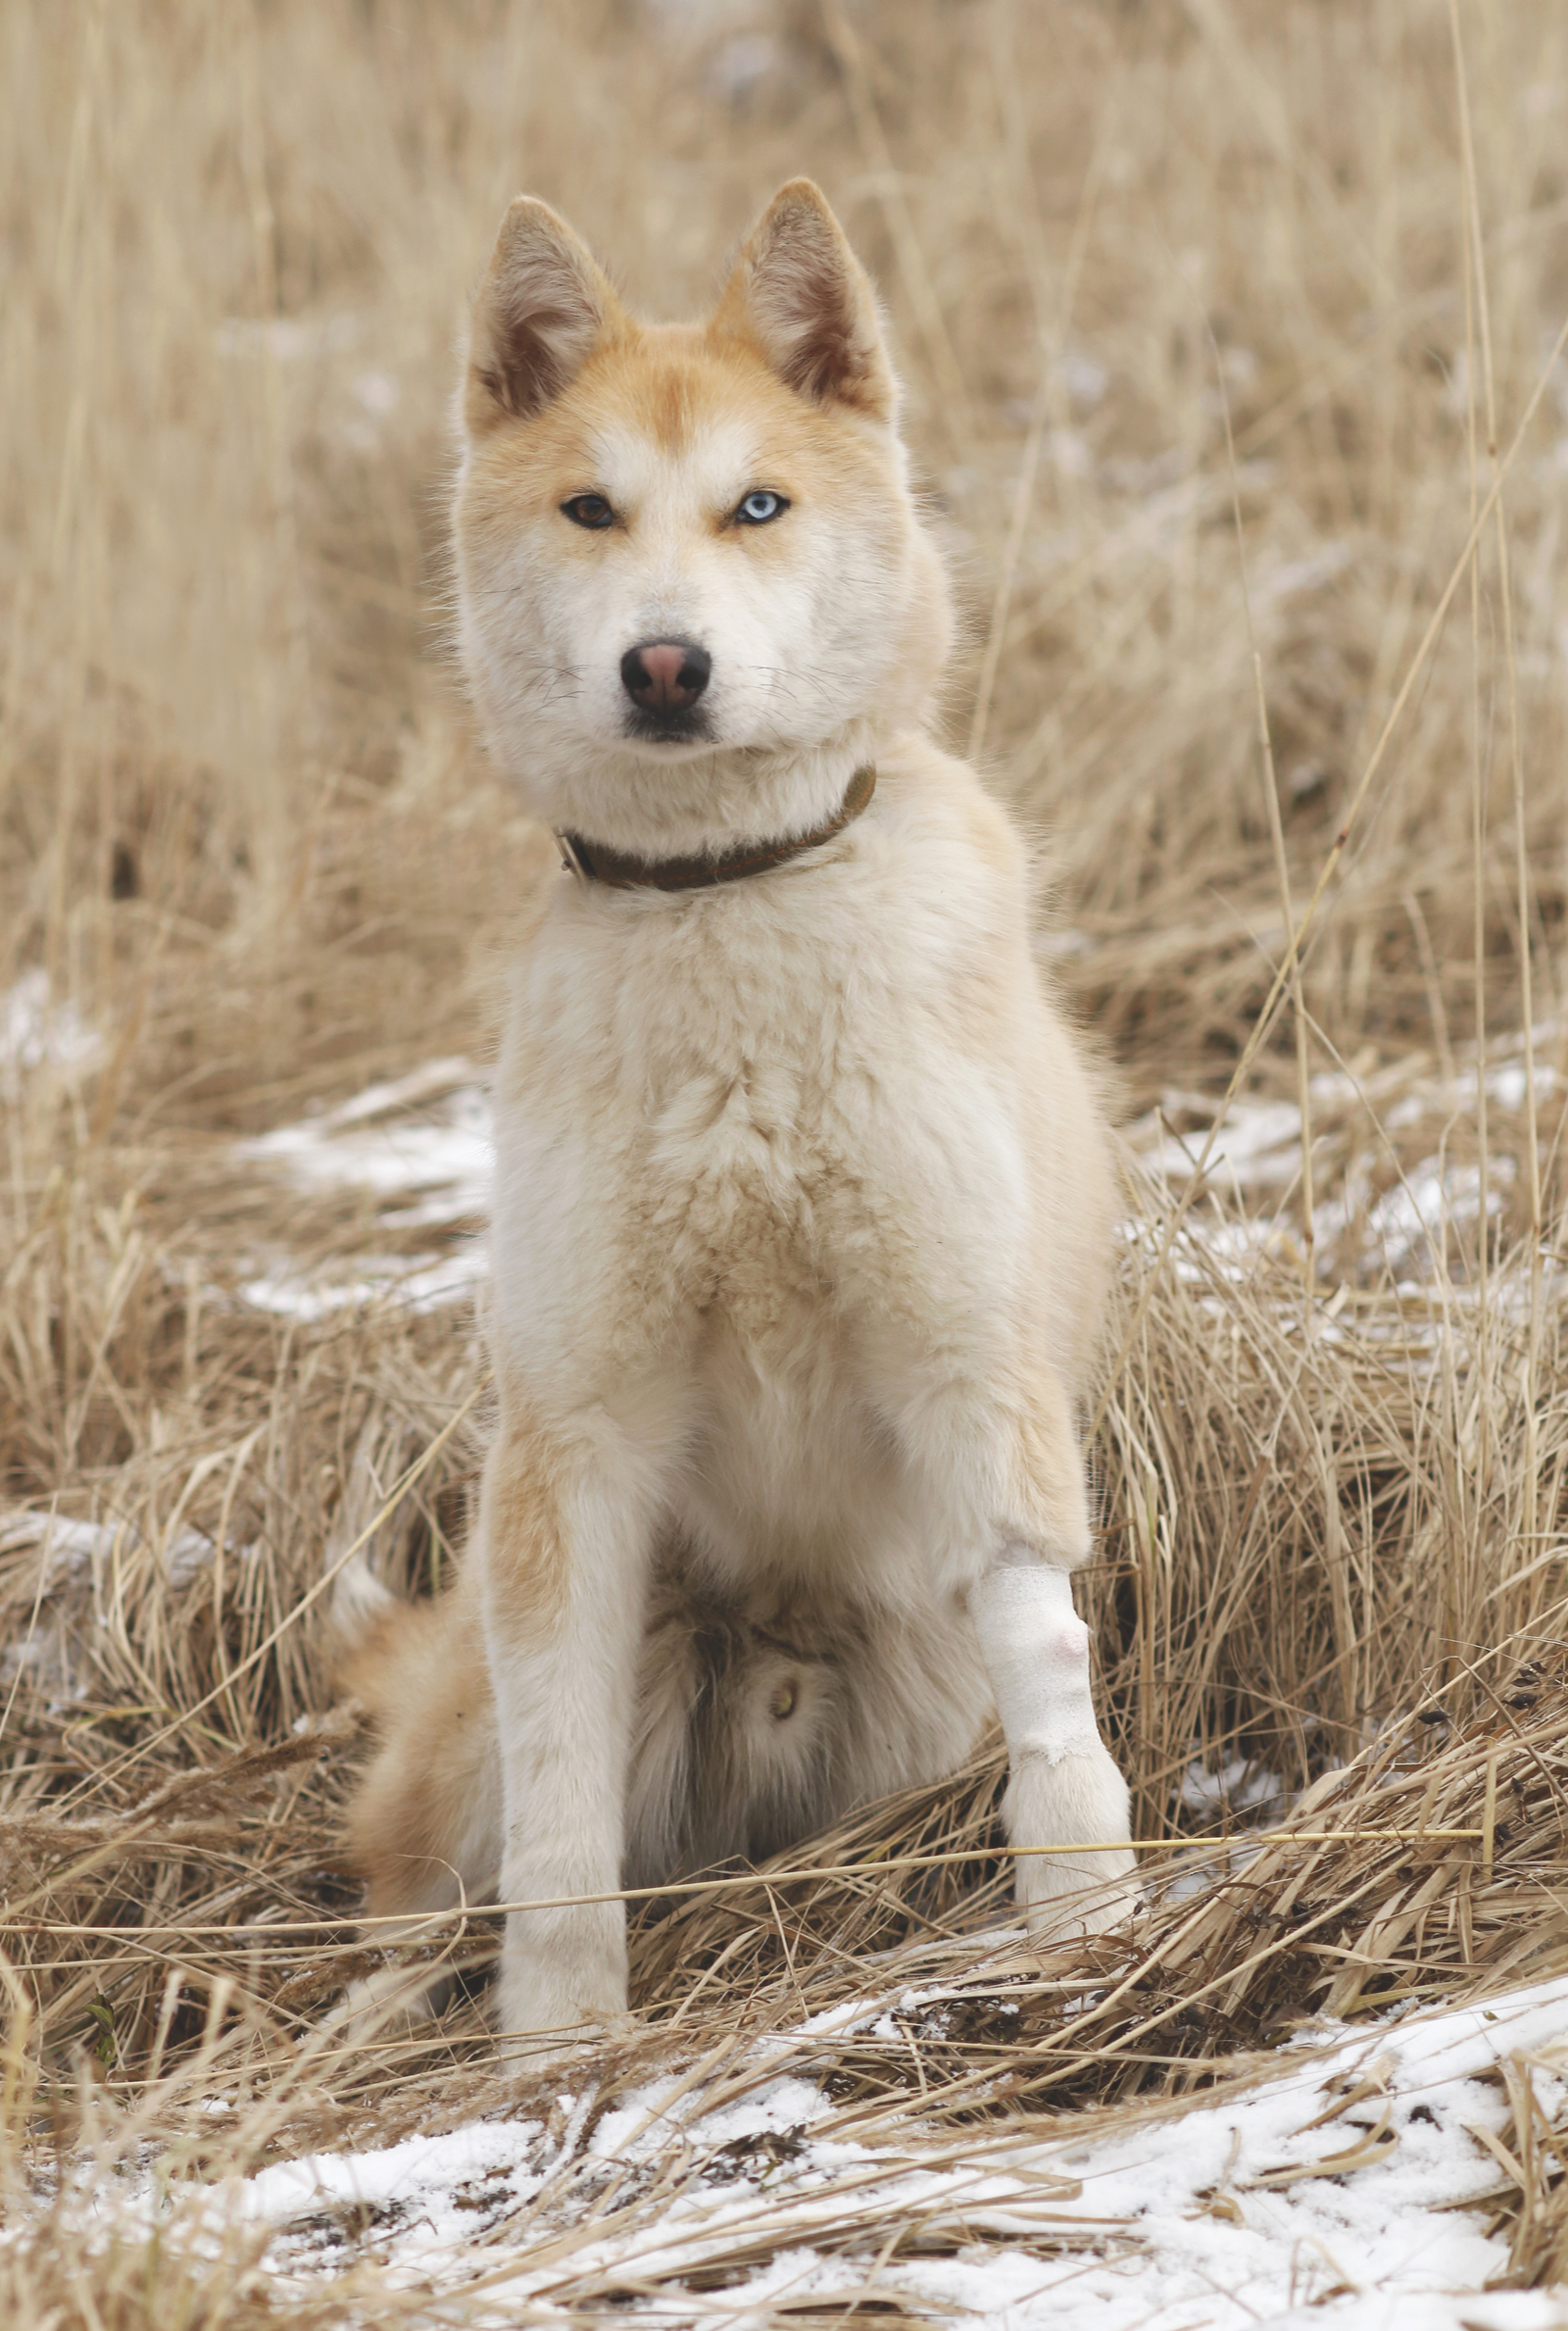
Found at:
[564, 1533]
[1063, 1788]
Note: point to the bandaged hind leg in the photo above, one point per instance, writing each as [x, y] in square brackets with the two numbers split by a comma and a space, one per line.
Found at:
[1063, 1788]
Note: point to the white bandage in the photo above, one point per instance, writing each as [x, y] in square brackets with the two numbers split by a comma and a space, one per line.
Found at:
[1036, 1651]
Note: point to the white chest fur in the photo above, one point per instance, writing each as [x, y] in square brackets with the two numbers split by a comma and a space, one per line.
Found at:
[736, 1101]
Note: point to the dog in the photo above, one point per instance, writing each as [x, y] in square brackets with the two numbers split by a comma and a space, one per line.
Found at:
[803, 1200]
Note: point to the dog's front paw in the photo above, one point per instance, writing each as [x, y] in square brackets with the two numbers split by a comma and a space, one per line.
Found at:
[547, 2014]
[1064, 1800]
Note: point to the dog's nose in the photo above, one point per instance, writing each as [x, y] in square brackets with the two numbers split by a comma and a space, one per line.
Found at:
[666, 675]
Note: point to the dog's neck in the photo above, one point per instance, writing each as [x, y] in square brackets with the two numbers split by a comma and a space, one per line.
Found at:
[619, 870]
[628, 806]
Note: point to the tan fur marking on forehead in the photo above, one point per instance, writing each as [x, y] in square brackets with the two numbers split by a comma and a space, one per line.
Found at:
[667, 384]
[665, 407]
[668, 378]
[657, 383]
[673, 380]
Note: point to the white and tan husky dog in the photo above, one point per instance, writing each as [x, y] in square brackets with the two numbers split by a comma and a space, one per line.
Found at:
[801, 1200]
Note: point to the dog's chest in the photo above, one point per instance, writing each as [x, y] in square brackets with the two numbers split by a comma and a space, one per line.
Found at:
[702, 1120]
[743, 1181]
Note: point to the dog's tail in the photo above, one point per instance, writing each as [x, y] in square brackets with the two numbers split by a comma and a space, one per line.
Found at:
[364, 1616]
[360, 1605]
[368, 1624]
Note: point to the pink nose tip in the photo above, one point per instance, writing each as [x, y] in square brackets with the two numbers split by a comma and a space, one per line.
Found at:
[663, 667]
[666, 675]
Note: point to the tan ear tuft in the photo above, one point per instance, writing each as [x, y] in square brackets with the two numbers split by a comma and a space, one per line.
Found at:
[541, 308]
[798, 291]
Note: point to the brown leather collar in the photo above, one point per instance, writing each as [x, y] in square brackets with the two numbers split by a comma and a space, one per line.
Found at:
[622, 872]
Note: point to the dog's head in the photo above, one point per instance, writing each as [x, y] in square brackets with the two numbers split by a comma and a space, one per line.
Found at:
[693, 590]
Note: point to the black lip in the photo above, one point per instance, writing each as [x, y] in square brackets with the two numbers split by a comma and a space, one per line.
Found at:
[675, 727]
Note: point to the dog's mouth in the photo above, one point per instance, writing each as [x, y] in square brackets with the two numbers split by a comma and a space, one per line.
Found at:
[669, 724]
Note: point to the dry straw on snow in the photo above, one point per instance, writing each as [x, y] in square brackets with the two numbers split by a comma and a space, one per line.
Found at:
[1228, 330]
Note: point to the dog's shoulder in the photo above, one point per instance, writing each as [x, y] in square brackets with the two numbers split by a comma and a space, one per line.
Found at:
[947, 850]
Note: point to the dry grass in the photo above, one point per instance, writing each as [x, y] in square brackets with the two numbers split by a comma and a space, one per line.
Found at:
[1219, 323]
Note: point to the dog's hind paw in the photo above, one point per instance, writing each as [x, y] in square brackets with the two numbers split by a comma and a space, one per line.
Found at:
[392, 2004]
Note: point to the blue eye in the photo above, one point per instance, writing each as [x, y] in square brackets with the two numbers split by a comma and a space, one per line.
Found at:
[759, 507]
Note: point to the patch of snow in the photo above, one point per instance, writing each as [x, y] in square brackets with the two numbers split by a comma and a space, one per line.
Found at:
[424, 1140]
[1237, 1786]
[75, 1550]
[35, 1033]
[414, 1282]
[1321, 2197]
[370, 1143]
[1508, 1085]
[43, 1656]
[1258, 1147]
[75, 1556]
[426, 2186]
[1256, 1150]
[70, 1547]
[1409, 1220]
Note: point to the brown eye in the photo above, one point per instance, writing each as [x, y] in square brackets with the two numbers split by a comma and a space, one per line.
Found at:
[589, 509]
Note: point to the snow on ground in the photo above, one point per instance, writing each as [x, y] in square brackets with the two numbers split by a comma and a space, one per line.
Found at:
[36, 1033]
[1255, 1155]
[77, 1563]
[1322, 2196]
[75, 1551]
[420, 1283]
[420, 1147]
[441, 1158]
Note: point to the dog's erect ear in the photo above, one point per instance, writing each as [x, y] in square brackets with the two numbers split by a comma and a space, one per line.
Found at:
[798, 291]
[542, 306]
